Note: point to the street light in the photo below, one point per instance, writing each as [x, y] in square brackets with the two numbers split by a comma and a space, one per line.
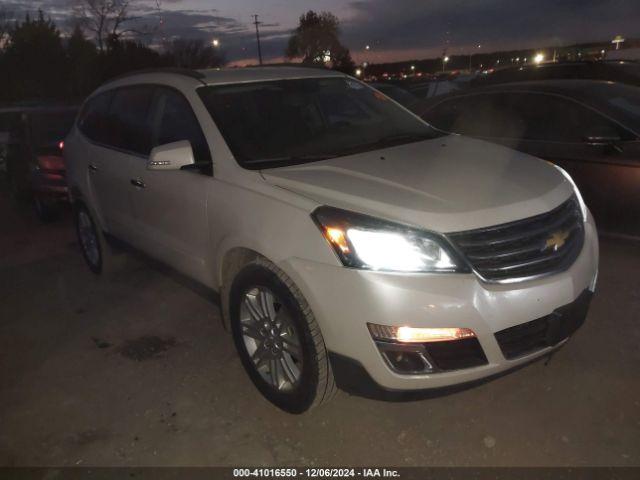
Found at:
[471, 54]
[617, 41]
[539, 58]
[367, 47]
[215, 42]
[358, 72]
[445, 59]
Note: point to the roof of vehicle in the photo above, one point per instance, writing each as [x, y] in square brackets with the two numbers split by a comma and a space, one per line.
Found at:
[275, 72]
[214, 76]
[616, 70]
[39, 109]
[577, 63]
[583, 90]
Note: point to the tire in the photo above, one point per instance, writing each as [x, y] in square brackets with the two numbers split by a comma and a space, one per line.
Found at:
[287, 340]
[98, 254]
[47, 210]
[17, 185]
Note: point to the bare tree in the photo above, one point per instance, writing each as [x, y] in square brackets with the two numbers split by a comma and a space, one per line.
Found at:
[106, 19]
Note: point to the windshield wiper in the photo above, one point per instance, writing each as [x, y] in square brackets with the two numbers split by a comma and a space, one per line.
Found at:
[401, 138]
[388, 141]
[292, 159]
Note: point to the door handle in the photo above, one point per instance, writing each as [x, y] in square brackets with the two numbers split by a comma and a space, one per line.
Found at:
[92, 168]
[136, 182]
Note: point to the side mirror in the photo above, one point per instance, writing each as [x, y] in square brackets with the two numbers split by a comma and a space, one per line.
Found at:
[171, 156]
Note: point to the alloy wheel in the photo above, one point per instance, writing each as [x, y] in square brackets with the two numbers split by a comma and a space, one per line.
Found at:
[271, 339]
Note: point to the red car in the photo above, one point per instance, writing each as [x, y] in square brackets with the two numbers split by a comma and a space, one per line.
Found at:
[34, 164]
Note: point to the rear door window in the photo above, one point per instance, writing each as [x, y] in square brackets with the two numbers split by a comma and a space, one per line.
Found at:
[552, 118]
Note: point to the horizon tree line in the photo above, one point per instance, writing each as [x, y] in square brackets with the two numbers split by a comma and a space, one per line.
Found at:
[38, 62]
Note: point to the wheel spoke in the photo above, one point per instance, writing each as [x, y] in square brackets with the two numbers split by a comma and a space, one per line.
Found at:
[249, 329]
[254, 313]
[291, 347]
[288, 371]
[259, 357]
[275, 376]
[265, 302]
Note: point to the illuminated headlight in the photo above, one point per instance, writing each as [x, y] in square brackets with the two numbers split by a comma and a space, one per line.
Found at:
[583, 206]
[366, 242]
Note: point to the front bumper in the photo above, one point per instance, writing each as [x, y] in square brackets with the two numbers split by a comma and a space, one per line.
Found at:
[344, 300]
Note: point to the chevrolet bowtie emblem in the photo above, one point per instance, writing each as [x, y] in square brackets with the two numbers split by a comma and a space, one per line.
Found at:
[556, 240]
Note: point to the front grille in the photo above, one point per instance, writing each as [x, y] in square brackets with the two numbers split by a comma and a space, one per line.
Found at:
[539, 245]
[546, 331]
[522, 339]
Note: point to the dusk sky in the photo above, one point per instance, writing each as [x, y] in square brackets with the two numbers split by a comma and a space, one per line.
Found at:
[395, 30]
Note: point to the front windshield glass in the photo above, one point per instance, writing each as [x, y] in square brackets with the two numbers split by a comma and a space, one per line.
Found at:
[286, 122]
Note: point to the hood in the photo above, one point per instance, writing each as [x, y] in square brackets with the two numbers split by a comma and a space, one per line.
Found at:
[446, 184]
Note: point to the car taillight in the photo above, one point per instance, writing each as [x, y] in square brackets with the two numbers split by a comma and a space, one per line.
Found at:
[50, 162]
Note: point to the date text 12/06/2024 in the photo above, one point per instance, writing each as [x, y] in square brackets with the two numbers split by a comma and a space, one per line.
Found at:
[315, 473]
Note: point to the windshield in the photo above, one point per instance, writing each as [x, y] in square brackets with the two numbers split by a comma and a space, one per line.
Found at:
[286, 122]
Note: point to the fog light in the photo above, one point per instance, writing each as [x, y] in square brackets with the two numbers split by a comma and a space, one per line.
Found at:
[407, 361]
[418, 335]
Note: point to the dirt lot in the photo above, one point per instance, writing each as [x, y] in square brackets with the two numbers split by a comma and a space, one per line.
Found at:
[137, 370]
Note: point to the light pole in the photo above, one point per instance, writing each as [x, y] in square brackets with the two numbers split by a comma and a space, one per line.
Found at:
[618, 40]
[256, 23]
[471, 54]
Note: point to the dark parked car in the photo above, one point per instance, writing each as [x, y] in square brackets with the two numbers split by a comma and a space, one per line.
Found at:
[34, 138]
[400, 95]
[589, 128]
[622, 71]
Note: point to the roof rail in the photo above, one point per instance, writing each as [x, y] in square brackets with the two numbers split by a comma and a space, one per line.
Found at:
[175, 70]
[290, 64]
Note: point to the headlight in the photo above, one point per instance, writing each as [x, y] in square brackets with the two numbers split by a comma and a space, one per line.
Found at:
[583, 206]
[365, 242]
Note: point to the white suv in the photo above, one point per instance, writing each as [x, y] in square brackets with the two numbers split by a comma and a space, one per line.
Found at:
[349, 242]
